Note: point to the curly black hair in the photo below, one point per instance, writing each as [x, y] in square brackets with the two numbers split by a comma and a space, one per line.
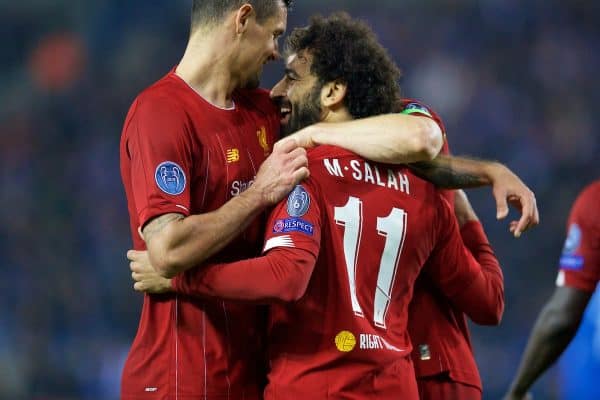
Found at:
[212, 11]
[347, 50]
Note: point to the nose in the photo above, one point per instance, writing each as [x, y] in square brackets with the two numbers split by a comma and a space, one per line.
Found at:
[279, 90]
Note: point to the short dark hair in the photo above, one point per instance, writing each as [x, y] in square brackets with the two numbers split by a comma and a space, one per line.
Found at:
[347, 50]
[212, 11]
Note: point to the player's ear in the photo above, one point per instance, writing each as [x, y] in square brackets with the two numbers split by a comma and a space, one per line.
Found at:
[333, 94]
[242, 18]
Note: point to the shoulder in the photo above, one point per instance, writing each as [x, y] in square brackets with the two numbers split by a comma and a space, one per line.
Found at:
[164, 93]
[412, 106]
[590, 194]
[588, 198]
[586, 204]
[418, 108]
[158, 109]
[160, 104]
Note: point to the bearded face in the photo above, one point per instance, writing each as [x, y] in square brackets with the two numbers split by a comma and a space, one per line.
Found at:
[304, 111]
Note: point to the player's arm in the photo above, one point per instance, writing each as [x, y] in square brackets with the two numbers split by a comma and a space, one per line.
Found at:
[552, 332]
[282, 273]
[476, 241]
[468, 273]
[415, 136]
[576, 282]
[391, 138]
[460, 172]
[176, 243]
[163, 157]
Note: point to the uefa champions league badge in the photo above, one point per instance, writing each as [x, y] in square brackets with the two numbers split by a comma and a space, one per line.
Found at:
[569, 258]
[573, 239]
[170, 178]
[298, 202]
[415, 108]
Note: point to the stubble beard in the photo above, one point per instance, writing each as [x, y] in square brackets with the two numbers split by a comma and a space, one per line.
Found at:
[306, 113]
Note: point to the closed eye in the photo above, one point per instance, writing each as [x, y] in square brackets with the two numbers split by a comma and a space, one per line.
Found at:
[291, 75]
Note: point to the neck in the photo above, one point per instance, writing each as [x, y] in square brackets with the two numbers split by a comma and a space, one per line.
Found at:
[206, 67]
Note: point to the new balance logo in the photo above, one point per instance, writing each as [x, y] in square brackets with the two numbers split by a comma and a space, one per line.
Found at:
[233, 155]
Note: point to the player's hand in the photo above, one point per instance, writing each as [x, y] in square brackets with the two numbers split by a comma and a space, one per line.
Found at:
[508, 190]
[514, 396]
[462, 208]
[145, 278]
[281, 171]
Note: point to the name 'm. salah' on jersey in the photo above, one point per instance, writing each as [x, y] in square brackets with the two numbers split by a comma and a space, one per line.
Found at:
[343, 253]
[373, 227]
[354, 236]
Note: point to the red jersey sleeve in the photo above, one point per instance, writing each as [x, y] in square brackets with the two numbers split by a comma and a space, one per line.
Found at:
[159, 146]
[281, 275]
[470, 277]
[291, 248]
[580, 259]
[413, 107]
[296, 222]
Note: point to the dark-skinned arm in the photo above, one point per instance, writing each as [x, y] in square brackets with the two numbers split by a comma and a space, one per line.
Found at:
[553, 331]
[449, 172]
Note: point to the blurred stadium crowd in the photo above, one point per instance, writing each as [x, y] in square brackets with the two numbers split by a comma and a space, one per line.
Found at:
[514, 81]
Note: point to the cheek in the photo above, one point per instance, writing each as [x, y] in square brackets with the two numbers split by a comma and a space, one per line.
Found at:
[269, 48]
[264, 43]
[293, 97]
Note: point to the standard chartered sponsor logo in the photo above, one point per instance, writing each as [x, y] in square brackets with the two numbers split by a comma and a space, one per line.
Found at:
[238, 187]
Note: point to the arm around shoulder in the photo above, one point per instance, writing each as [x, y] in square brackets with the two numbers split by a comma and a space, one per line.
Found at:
[389, 138]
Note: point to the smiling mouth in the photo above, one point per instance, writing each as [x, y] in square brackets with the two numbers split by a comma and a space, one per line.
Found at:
[285, 115]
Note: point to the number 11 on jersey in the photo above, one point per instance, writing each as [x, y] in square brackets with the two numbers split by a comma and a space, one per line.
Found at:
[393, 228]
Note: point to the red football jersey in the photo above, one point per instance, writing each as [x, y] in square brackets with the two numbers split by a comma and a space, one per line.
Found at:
[416, 108]
[580, 260]
[373, 227]
[438, 330]
[181, 154]
[356, 234]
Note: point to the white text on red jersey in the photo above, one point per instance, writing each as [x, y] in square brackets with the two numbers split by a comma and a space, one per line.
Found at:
[362, 171]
